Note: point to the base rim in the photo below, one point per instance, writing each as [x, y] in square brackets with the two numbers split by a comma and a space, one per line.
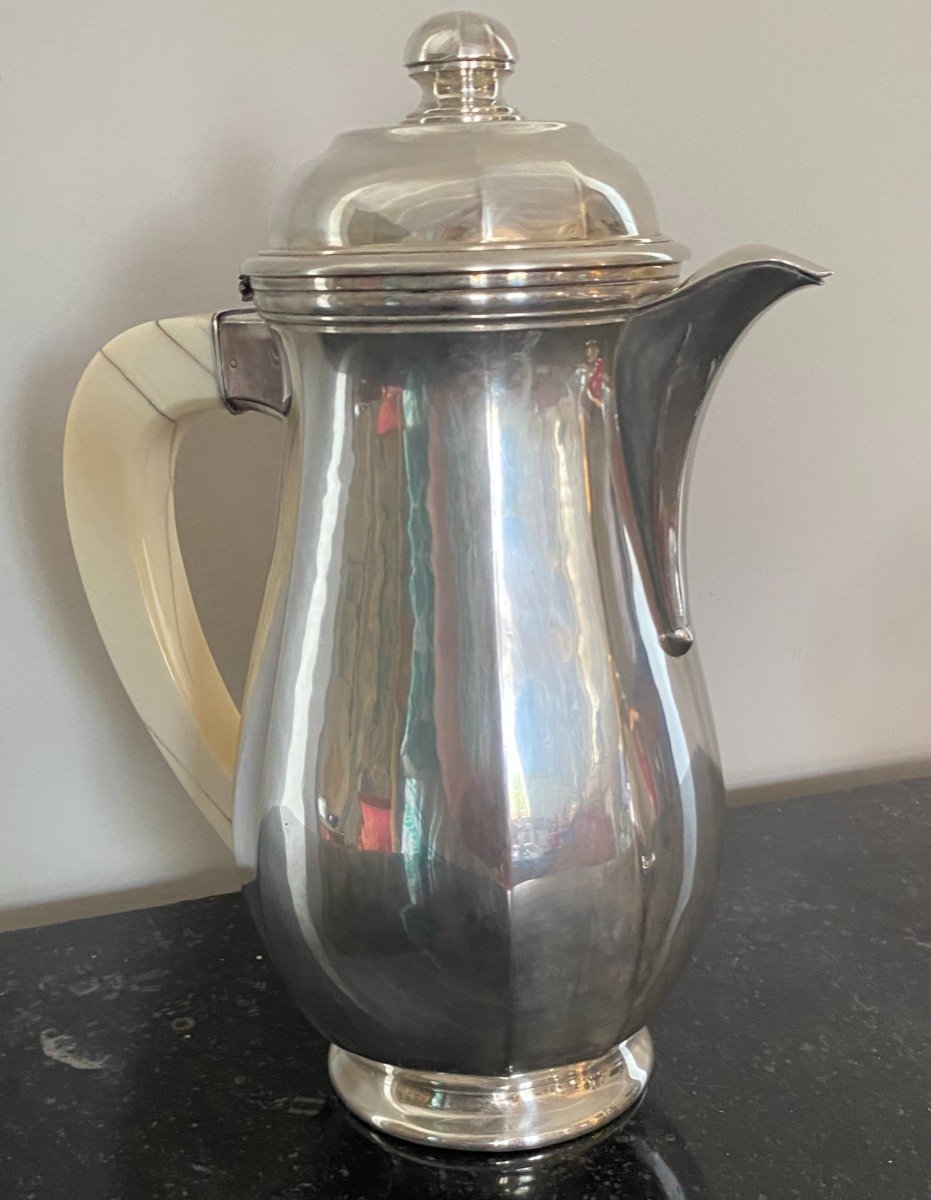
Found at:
[494, 1112]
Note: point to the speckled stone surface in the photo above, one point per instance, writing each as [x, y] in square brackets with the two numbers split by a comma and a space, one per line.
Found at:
[154, 1054]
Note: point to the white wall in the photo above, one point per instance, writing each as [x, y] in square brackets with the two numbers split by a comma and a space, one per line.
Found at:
[143, 141]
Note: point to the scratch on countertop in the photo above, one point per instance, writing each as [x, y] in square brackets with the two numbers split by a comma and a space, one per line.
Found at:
[63, 1048]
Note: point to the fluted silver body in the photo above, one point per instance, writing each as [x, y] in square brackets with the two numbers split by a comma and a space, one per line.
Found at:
[484, 801]
[478, 779]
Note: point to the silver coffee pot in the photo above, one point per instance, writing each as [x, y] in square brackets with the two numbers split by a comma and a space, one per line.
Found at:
[475, 779]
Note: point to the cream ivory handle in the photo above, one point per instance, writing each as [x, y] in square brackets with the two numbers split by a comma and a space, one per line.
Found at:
[126, 422]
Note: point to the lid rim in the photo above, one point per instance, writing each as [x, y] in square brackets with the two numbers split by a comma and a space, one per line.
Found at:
[464, 298]
[465, 260]
[538, 279]
[523, 311]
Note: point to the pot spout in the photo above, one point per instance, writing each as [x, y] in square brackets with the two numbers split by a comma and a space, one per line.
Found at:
[668, 359]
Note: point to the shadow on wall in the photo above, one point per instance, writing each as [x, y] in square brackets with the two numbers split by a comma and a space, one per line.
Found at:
[184, 259]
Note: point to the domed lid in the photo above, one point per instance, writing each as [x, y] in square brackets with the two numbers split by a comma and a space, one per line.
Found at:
[463, 184]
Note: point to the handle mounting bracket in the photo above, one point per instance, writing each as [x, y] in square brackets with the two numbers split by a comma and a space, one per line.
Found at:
[252, 373]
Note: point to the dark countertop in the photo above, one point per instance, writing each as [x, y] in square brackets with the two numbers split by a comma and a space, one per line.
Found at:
[154, 1055]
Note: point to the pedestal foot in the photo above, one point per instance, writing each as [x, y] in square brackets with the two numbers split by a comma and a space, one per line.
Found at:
[494, 1112]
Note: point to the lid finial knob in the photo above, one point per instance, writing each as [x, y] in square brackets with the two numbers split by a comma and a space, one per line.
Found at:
[460, 59]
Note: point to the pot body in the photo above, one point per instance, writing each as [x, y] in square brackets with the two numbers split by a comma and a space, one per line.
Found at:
[483, 803]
